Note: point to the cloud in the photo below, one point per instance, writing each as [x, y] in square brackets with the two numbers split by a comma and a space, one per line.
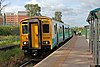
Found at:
[90, 4]
[74, 12]
[59, 6]
[13, 9]
[71, 10]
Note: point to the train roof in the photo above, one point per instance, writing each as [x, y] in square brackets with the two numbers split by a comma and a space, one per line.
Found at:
[34, 17]
[41, 17]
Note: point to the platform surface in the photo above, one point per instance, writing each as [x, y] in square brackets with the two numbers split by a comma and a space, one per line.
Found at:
[74, 53]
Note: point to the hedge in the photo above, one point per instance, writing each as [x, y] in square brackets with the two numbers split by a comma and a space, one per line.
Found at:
[9, 30]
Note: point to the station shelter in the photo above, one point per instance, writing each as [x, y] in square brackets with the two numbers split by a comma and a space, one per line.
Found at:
[94, 38]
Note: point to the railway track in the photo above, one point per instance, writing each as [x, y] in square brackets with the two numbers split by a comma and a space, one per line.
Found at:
[8, 47]
[29, 62]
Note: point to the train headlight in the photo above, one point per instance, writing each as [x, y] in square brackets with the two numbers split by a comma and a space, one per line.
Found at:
[46, 42]
[25, 42]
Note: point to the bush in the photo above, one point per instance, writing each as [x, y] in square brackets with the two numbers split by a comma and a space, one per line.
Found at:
[9, 30]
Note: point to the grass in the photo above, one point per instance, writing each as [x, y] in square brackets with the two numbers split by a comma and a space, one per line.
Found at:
[6, 55]
[9, 40]
[10, 56]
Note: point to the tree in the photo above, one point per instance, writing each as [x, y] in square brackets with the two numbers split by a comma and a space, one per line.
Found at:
[58, 16]
[2, 6]
[33, 10]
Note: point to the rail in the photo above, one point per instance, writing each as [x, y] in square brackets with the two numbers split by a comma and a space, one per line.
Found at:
[8, 47]
[34, 61]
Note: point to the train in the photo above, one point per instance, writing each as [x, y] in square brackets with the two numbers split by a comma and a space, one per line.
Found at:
[41, 33]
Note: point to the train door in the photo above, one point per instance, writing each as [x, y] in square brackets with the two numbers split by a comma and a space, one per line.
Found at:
[34, 34]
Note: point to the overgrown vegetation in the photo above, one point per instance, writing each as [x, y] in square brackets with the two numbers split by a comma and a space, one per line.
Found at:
[9, 35]
[9, 30]
[9, 40]
[10, 57]
[6, 55]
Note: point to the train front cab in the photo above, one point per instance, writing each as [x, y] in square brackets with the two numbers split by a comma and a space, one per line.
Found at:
[40, 35]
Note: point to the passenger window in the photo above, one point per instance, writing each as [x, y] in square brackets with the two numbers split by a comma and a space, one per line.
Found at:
[45, 28]
[24, 29]
[66, 29]
[55, 28]
[60, 30]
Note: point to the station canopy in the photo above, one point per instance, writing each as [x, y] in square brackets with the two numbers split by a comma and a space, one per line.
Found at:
[94, 14]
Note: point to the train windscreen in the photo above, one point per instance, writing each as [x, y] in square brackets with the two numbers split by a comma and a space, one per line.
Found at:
[45, 28]
[24, 28]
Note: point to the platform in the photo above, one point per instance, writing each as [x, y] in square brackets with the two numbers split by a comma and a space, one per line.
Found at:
[74, 53]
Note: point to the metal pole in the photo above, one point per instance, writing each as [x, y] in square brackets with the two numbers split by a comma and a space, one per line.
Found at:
[90, 37]
[96, 42]
[93, 37]
[86, 31]
[98, 22]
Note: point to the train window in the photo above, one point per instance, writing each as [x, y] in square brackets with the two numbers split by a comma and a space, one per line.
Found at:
[65, 28]
[24, 22]
[45, 28]
[60, 30]
[24, 29]
[60, 27]
[55, 28]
